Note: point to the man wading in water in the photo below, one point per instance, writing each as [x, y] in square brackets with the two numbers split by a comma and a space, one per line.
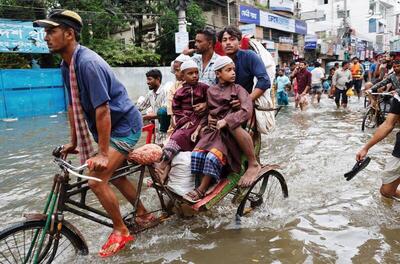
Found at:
[97, 102]
[391, 173]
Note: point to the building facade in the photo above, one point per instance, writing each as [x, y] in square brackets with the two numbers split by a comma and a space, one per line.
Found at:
[369, 25]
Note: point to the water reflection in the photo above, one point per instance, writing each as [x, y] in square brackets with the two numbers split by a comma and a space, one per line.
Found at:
[325, 219]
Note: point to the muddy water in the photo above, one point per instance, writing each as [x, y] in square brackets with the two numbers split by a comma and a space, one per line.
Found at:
[325, 219]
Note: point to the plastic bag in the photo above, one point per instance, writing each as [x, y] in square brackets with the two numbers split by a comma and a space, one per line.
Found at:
[350, 92]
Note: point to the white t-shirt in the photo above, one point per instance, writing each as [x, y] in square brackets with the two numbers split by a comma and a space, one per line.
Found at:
[316, 75]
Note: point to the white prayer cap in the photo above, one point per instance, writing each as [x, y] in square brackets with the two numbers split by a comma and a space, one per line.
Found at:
[182, 58]
[221, 62]
[188, 65]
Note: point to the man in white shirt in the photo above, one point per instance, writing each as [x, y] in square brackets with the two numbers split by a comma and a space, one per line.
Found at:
[340, 81]
[317, 77]
[155, 104]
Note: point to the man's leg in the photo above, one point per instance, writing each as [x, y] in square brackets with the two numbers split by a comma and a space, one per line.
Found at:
[337, 97]
[245, 143]
[319, 92]
[106, 195]
[390, 190]
[128, 190]
[344, 98]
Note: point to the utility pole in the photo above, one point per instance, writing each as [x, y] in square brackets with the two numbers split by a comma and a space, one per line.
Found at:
[229, 11]
[182, 16]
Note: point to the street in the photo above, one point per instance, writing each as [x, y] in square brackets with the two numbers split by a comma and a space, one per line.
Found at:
[325, 219]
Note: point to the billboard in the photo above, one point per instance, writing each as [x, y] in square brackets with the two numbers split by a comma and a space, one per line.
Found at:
[249, 15]
[21, 37]
[282, 5]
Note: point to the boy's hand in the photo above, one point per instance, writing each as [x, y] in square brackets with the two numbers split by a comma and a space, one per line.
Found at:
[200, 107]
[221, 124]
[97, 163]
[212, 122]
[194, 136]
[235, 104]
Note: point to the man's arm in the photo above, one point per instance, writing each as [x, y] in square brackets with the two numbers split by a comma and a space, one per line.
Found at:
[382, 83]
[308, 84]
[70, 147]
[103, 125]
[382, 131]
[259, 71]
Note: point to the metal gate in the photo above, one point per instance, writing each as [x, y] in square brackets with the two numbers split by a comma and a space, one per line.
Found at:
[31, 92]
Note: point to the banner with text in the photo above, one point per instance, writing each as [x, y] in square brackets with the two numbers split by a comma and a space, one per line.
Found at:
[21, 37]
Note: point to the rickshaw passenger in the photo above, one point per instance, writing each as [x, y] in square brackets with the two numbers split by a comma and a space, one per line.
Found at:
[218, 145]
[248, 65]
[189, 112]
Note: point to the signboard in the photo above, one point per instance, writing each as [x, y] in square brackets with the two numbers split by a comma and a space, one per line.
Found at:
[181, 41]
[269, 45]
[277, 22]
[248, 29]
[310, 42]
[286, 40]
[249, 15]
[21, 37]
[282, 5]
[300, 27]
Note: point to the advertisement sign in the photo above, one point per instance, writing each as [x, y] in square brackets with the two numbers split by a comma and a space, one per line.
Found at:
[181, 41]
[248, 29]
[300, 27]
[249, 15]
[277, 22]
[282, 5]
[269, 45]
[310, 42]
[21, 37]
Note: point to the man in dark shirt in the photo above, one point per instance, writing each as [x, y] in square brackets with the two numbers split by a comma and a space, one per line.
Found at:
[247, 66]
[97, 98]
[391, 173]
[303, 78]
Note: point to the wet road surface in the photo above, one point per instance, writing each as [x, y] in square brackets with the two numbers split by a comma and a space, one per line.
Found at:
[325, 219]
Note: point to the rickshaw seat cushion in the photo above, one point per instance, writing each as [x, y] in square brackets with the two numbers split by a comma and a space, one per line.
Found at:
[146, 154]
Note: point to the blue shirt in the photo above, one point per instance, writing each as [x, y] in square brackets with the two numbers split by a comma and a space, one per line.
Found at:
[281, 82]
[98, 85]
[249, 65]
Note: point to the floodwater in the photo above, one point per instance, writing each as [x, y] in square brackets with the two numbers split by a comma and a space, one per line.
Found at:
[325, 219]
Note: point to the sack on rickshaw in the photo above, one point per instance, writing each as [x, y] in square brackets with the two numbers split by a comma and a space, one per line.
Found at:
[180, 178]
[265, 119]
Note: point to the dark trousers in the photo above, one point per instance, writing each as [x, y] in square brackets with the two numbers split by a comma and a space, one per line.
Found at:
[340, 93]
[357, 86]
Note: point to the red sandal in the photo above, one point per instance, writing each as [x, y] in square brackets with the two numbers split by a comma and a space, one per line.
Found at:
[114, 239]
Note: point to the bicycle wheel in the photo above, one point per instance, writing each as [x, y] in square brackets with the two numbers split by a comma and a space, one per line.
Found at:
[369, 119]
[15, 243]
[266, 190]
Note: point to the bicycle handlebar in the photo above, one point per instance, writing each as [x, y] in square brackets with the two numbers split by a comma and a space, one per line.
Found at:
[68, 167]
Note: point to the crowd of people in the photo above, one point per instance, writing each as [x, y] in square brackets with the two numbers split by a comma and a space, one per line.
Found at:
[301, 79]
[204, 111]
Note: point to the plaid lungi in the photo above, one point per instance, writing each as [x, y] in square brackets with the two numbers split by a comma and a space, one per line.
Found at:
[206, 163]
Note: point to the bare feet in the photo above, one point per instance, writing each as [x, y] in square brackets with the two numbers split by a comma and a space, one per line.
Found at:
[250, 175]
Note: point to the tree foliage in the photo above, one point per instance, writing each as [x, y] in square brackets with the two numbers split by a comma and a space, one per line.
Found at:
[117, 54]
[104, 17]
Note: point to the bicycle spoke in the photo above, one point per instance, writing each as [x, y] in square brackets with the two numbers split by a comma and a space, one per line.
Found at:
[19, 253]
[9, 249]
[5, 258]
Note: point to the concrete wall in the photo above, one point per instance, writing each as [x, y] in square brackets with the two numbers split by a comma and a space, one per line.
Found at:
[134, 79]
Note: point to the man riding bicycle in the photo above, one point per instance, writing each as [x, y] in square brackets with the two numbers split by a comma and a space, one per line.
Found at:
[97, 102]
[391, 173]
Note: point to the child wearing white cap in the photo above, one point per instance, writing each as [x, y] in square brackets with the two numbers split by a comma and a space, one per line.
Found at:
[189, 113]
[217, 147]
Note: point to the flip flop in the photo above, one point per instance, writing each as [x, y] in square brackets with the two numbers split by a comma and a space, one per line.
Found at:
[360, 165]
[113, 239]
